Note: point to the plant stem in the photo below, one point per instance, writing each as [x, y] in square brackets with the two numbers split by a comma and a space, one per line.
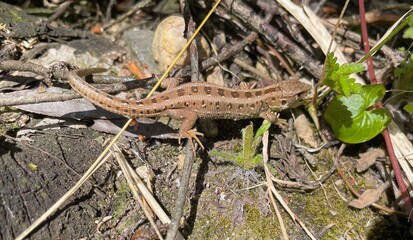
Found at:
[393, 159]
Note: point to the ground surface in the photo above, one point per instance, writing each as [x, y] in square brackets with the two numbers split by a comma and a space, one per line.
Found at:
[225, 200]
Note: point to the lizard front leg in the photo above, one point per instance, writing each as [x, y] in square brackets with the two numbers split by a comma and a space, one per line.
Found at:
[273, 118]
[188, 118]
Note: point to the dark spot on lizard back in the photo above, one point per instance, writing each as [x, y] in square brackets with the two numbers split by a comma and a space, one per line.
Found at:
[194, 89]
[235, 94]
[180, 92]
[221, 92]
[208, 90]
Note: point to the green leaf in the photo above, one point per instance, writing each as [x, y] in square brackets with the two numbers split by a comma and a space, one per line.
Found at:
[338, 77]
[408, 33]
[350, 120]
[408, 107]
[247, 158]
[223, 155]
[264, 127]
[351, 113]
[348, 85]
[248, 149]
[256, 160]
[372, 94]
[331, 66]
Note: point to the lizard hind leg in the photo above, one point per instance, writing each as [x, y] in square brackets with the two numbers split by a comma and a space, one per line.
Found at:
[192, 134]
[188, 118]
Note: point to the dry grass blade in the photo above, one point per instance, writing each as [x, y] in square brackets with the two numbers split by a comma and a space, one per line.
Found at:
[403, 149]
[127, 171]
[388, 35]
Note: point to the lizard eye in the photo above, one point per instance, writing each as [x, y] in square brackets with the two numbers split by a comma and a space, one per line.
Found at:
[284, 102]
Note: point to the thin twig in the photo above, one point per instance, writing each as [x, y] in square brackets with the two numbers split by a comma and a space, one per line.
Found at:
[253, 70]
[138, 6]
[273, 36]
[182, 193]
[6, 100]
[61, 9]
[283, 62]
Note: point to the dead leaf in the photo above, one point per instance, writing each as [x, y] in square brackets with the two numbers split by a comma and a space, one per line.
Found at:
[145, 173]
[136, 71]
[368, 197]
[97, 29]
[304, 130]
[168, 40]
[369, 158]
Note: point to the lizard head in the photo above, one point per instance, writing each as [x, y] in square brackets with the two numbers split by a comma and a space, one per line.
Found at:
[292, 94]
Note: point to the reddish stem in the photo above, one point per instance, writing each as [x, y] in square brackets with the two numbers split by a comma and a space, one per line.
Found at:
[393, 160]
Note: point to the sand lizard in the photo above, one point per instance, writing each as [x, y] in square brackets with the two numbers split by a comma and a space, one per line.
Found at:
[191, 101]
